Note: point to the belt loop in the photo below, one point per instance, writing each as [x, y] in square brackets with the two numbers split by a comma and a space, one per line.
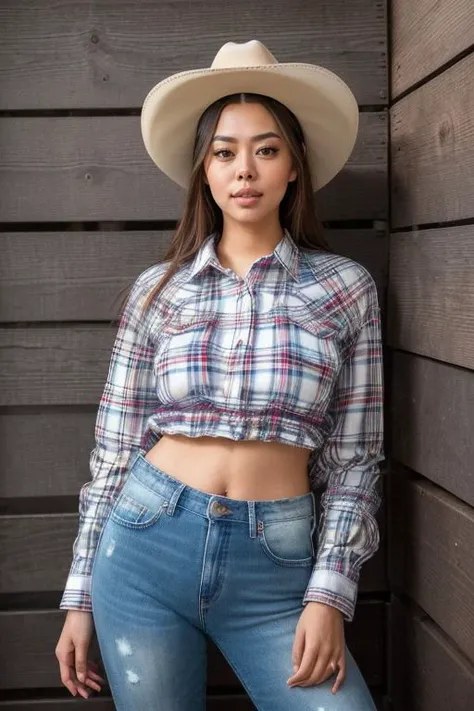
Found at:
[252, 519]
[133, 459]
[174, 499]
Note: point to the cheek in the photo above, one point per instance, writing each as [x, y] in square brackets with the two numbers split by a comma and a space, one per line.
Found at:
[215, 178]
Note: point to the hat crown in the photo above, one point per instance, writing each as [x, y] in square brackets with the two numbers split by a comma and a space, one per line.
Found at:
[243, 54]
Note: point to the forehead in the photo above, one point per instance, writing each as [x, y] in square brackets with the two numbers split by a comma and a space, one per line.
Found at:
[246, 119]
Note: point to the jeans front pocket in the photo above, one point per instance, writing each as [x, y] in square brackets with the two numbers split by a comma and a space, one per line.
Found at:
[288, 542]
[137, 506]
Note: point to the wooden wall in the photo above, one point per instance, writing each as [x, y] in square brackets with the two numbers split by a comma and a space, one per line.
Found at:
[431, 349]
[82, 211]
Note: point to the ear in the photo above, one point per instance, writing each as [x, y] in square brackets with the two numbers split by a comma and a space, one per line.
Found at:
[293, 175]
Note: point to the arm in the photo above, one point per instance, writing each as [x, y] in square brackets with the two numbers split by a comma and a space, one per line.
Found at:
[128, 399]
[348, 533]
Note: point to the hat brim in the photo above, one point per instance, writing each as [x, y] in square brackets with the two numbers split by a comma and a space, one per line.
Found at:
[324, 105]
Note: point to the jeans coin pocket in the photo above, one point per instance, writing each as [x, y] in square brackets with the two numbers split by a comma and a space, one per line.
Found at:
[137, 506]
[288, 542]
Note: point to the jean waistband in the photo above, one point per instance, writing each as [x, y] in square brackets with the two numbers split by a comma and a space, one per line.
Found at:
[217, 505]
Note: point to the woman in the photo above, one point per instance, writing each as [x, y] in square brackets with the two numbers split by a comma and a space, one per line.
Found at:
[246, 375]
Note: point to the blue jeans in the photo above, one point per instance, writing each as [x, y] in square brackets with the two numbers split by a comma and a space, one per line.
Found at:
[175, 564]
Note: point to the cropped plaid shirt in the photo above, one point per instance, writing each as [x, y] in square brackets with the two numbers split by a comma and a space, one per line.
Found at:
[291, 353]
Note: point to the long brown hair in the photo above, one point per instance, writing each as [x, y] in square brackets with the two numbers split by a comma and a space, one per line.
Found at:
[202, 216]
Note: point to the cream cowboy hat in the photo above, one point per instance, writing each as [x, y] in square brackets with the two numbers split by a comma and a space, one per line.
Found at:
[324, 105]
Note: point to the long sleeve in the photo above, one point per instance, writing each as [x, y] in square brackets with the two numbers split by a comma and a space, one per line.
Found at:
[348, 532]
[127, 401]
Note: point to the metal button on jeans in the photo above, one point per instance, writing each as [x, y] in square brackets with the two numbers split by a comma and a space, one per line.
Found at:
[219, 508]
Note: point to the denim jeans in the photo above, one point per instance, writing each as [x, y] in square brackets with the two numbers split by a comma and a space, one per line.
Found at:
[176, 564]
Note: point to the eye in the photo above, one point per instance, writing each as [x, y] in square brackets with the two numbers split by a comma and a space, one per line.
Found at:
[220, 151]
[270, 151]
[269, 148]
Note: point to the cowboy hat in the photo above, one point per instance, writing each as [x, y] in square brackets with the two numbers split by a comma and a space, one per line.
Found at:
[324, 105]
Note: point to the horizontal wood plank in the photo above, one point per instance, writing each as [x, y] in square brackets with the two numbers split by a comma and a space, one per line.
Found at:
[431, 293]
[58, 463]
[425, 36]
[96, 168]
[113, 53]
[432, 154]
[54, 366]
[431, 557]
[28, 661]
[426, 671]
[432, 410]
[80, 273]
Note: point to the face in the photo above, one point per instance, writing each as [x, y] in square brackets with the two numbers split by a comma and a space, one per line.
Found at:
[248, 152]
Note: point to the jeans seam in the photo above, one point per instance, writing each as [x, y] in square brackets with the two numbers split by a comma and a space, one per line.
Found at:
[229, 661]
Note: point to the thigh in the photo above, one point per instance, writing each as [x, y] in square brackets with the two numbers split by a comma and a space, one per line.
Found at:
[261, 658]
[153, 653]
[158, 668]
[153, 657]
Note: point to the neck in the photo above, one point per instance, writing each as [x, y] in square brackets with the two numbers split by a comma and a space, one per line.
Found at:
[241, 241]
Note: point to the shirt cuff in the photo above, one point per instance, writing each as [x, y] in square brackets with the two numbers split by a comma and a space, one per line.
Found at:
[77, 594]
[332, 588]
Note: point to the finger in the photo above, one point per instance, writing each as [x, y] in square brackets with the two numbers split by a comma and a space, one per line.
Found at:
[93, 684]
[339, 679]
[306, 667]
[65, 674]
[298, 649]
[80, 686]
[81, 663]
[320, 672]
[95, 676]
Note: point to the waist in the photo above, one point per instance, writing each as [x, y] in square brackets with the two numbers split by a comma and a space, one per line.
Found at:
[238, 469]
[203, 503]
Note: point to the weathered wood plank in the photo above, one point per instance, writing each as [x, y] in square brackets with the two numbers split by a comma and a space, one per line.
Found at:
[432, 409]
[96, 168]
[54, 366]
[80, 274]
[28, 661]
[426, 671]
[433, 149]
[425, 36]
[113, 53]
[57, 462]
[431, 293]
[431, 554]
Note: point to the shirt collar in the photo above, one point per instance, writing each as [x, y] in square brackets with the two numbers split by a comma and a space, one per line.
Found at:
[286, 252]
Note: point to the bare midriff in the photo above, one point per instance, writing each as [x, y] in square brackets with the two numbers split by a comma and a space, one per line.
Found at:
[243, 469]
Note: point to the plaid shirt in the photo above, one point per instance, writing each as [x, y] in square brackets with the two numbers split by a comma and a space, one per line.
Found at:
[291, 353]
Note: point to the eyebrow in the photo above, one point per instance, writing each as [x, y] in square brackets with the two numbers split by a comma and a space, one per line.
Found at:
[259, 137]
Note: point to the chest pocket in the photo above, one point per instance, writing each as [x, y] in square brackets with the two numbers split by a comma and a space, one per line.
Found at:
[182, 358]
[307, 350]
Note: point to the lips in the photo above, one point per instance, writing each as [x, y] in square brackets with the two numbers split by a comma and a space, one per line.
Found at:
[247, 193]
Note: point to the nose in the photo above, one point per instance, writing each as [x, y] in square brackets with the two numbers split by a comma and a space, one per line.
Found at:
[245, 169]
[245, 174]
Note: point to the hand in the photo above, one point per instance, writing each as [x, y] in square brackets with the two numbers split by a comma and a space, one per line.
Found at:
[319, 644]
[77, 672]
